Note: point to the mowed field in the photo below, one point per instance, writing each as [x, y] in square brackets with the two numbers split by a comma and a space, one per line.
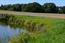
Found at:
[61, 16]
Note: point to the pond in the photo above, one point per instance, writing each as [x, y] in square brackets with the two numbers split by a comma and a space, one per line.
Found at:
[6, 32]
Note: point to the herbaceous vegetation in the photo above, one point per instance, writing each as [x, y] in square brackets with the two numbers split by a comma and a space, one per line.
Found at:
[52, 31]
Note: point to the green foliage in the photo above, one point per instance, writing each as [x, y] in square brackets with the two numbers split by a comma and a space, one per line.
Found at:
[24, 38]
[17, 7]
[60, 10]
[15, 22]
[14, 7]
[63, 9]
[34, 7]
[50, 8]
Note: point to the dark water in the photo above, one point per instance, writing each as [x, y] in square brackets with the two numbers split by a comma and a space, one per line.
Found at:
[6, 32]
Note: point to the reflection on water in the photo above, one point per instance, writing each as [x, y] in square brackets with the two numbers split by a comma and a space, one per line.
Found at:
[6, 32]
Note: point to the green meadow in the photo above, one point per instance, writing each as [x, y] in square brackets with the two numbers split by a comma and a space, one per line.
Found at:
[53, 30]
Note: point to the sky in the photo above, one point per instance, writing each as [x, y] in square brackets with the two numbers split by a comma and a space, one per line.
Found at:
[57, 2]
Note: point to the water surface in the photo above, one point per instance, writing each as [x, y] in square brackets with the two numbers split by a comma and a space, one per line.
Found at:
[6, 32]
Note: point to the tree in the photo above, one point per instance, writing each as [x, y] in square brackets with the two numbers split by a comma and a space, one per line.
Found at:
[23, 7]
[16, 7]
[6, 7]
[50, 8]
[33, 7]
[2, 7]
[60, 10]
[63, 8]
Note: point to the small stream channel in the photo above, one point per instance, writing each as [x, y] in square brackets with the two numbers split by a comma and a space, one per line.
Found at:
[6, 32]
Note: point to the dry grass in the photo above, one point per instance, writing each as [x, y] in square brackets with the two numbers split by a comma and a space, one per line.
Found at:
[61, 16]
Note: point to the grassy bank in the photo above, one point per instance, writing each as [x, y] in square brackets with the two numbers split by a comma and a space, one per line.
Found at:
[17, 21]
[52, 31]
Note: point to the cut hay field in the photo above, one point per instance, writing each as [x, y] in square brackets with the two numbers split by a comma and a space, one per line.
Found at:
[61, 16]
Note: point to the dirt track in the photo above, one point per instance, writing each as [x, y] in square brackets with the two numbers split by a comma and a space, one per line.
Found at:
[62, 16]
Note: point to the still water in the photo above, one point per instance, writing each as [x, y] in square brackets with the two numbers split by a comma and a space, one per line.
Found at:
[6, 32]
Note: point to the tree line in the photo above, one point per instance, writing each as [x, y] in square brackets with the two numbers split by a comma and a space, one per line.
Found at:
[34, 7]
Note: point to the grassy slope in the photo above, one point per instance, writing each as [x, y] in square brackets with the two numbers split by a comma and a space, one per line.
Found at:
[55, 31]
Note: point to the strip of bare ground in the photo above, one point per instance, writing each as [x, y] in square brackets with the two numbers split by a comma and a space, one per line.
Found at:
[61, 16]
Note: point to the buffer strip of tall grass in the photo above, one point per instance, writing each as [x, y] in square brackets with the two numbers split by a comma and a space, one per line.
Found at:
[13, 21]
